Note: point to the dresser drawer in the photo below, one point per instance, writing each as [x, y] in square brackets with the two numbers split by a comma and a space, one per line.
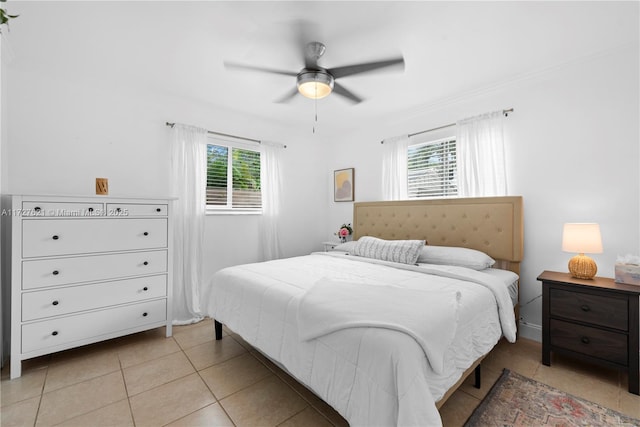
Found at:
[595, 309]
[606, 345]
[43, 237]
[136, 209]
[62, 271]
[69, 329]
[63, 209]
[71, 299]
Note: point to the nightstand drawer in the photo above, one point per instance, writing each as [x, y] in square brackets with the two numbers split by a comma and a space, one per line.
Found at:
[606, 345]
[595, 309]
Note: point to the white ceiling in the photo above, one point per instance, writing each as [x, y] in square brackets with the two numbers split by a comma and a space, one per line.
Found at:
[450, 48]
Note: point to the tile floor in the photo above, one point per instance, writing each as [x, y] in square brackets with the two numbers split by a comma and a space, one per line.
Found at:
[191, 380]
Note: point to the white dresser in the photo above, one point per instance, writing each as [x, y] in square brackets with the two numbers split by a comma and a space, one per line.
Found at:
[84, 269]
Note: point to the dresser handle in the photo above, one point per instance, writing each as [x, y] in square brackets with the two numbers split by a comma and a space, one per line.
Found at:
[54, 333]
[146, 233]
[585, 340]
[146, 263]
[585, 308]
[55, 302]
[145, 289]
[90, 209]
[145, 314]
[55, 272]
[158, 210]
[118, 210]
[55, 237]
[37, 209]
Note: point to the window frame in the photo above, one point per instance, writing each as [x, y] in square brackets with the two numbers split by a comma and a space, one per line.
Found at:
[444, 139]
[229, 209]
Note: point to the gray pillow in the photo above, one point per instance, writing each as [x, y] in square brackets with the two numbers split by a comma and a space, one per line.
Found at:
[402, 251]
[451, 255]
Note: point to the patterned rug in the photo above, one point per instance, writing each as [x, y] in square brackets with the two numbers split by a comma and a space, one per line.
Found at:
[515, 400]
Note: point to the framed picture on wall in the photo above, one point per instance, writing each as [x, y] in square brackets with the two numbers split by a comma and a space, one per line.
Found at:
[343, 185]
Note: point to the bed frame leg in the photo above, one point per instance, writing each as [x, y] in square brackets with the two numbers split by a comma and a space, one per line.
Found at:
[218, 327]
[478, 382]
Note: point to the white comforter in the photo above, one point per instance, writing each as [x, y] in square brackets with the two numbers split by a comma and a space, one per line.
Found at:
[371, 375]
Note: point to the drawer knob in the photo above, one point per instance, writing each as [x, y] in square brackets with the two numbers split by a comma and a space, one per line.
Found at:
[37, 209]
[145, 314]
[90, 209]
[145, 288]
[55, 272]
[55, 302]
[585, 308]
[55, 237]
[118, 210]
[54, 333]
[146, 263]
[146, 233]
[158, 210]
[585, 340]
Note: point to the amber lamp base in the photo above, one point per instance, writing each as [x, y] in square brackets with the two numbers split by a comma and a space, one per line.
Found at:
[582, 267]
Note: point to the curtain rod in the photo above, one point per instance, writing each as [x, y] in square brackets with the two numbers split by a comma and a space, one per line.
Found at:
[505, 112]
[171, 125]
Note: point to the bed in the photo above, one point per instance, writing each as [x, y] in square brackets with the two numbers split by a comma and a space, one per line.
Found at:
[433, 322]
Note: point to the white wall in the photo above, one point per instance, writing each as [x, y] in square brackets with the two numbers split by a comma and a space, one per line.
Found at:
[572, 152]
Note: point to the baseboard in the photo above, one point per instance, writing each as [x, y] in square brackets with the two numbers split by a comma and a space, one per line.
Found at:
[530, 331]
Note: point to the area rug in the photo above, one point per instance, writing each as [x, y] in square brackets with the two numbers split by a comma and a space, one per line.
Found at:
[515, 400]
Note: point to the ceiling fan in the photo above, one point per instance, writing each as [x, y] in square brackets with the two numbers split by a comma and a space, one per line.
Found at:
[316, 82]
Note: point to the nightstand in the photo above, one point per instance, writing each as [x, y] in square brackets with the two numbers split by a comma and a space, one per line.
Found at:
[594, 320]
[328, 246]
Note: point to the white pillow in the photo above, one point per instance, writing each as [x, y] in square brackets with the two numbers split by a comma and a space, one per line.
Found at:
[402, 251]
[345, 247]
[461, 257]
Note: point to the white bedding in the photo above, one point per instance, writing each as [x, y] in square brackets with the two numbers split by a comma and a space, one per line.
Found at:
[372, 376]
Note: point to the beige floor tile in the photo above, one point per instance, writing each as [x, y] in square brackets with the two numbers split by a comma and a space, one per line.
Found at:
[307, 418]
[148, 375]
[29, 385]
[629, 404]
[522, 357]
[117, 415]
[192, 335]
[170, 402]
[28, 365]
[146, 347]
[211, 352]
[78, 399]
[234, 374]
[20, 414]
[241, 341]
[212, 415]
[78, 366]
[489, 376]
[266, 403]
[457, 410]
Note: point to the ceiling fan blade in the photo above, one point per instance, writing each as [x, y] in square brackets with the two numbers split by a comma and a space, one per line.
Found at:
[234, 65]
[304, 31]
[349, 70]
[341, 90]
[287, 96]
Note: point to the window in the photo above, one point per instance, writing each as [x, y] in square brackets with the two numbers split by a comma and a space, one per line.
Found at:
[432, 169]
[233, 178]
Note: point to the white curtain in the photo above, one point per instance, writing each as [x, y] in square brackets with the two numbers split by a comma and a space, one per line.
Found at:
[394, 168]
[271, 189]
[188, 183]
[480, 156]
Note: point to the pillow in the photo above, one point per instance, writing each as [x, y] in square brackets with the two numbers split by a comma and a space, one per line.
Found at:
[461, 257]
[402, 251]
[345, 247]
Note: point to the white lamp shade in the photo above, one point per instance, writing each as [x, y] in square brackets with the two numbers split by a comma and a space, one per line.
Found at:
[582, 238]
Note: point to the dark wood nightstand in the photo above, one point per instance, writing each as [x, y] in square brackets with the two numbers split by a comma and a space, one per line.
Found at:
[595, 320]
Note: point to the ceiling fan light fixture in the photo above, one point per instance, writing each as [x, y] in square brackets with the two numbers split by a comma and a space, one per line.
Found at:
[315, 84]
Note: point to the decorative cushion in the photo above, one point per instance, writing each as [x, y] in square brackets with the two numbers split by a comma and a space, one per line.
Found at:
[345, 247]
[402, 251]
[450, 255]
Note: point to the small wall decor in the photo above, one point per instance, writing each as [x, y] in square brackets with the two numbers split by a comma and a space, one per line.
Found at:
[343, 185]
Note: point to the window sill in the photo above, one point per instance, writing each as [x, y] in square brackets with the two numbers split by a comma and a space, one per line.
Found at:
[215, 212]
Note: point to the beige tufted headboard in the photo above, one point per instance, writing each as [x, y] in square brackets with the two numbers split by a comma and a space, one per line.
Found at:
[492, 225]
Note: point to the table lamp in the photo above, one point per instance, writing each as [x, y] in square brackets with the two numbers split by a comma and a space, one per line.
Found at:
[582, 238]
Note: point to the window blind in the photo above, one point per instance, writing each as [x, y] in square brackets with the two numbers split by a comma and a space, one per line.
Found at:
[432, 169]
[233, 178]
